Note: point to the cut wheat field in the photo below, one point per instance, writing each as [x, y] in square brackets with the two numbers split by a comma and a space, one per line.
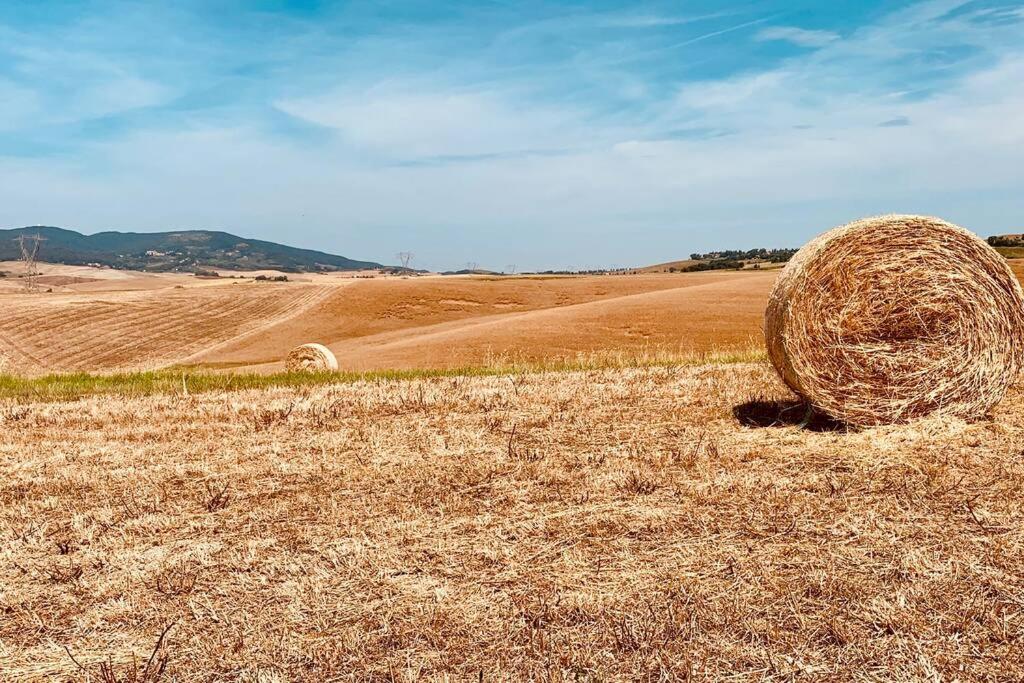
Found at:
[139, 329]
[136, 322]
[146, 321]
[661, 523]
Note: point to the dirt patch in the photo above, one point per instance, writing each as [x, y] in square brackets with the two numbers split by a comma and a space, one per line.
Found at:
[61, 280]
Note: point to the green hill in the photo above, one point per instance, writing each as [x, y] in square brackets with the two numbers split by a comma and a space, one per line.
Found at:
[173, 251]
[1010, 246]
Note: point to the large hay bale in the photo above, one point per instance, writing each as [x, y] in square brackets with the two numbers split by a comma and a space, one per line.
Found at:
[895, 317]
[311, 358]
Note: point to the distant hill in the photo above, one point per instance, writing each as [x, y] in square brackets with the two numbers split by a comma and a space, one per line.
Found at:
[1010, 246]
[475, 271]
[182, 250]
[667, 267]
[751, 259]
[1010, 240]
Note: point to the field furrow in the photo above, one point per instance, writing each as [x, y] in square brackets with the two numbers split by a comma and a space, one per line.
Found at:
[141, 329]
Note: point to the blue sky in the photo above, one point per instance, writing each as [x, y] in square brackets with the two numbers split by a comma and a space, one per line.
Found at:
[570, 134]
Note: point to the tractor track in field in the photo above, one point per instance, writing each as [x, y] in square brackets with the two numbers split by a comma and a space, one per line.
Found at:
[143, 330]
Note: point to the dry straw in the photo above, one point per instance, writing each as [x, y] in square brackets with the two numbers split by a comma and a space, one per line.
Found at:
[895, 317]
[311, 358]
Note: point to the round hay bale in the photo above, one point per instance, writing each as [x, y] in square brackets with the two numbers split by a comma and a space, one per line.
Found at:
[311, 358]
[895, 317]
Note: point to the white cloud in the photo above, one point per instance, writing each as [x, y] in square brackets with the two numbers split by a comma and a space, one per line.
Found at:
[408, 121]
[798, 36]
[654, 20]
[452, 168]
[51, 84]
[118, 94]
[724, 94]
[761, 186]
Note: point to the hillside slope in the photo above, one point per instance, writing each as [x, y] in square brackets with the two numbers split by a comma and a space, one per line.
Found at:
[173, 251]
[702, 317]
[406, 324]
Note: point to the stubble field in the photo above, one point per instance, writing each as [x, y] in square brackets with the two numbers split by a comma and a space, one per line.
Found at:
[656, 524]
[142, 322]
[669, 522]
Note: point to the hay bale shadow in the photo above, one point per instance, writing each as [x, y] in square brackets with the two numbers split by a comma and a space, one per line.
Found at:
[761, 414]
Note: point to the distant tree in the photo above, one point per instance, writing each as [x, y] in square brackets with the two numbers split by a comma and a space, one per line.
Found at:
[773, 255]
[1006, 240]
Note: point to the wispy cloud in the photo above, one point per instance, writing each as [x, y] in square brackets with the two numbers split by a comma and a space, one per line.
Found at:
[721, 32]
[483, 131]
[629, 20]
[897, 122]
[51, 84]
[408, 121]
[798, 36]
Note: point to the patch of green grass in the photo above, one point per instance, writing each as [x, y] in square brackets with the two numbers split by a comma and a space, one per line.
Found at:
[72, 386]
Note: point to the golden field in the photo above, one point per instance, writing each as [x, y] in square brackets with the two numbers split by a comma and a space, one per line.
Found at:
[100, 320]
[631, 524]
[104, 320]
[644, 516]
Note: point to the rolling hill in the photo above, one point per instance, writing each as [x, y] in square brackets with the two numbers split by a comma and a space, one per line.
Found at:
[173, 251]
[1011, 246]
[394, 323]
[159, 320]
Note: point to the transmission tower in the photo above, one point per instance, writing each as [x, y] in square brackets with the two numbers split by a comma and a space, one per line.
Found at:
[29, 245]
[405, 257]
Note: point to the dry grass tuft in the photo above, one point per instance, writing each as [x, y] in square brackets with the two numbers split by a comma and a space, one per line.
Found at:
[311, 358]
[106, 671]
[895, 317]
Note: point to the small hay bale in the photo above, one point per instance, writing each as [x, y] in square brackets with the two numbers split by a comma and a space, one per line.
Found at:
[895, 317]
[311, 358]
